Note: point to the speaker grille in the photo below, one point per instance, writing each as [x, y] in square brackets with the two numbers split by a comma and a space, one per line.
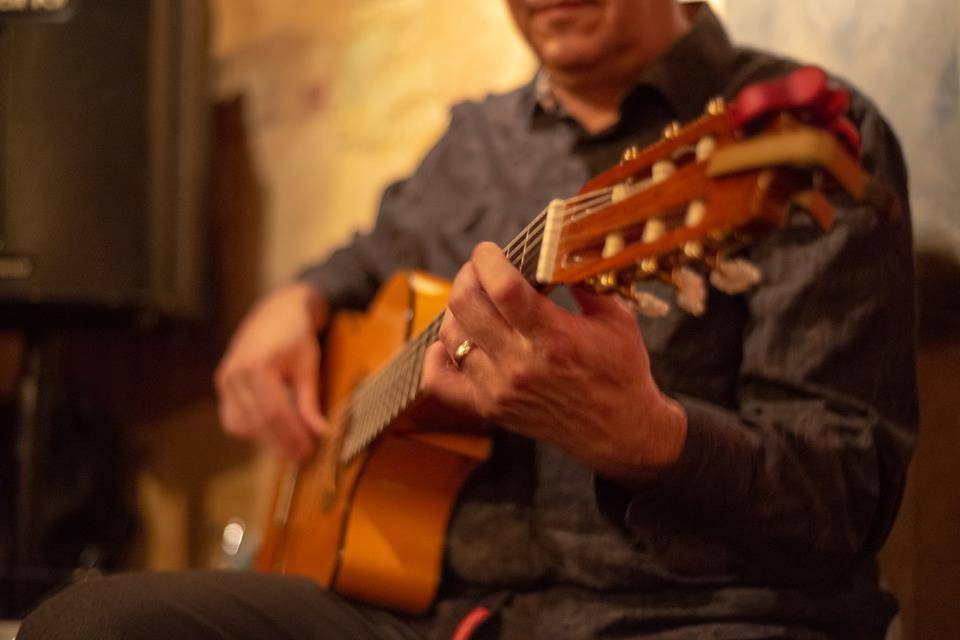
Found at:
[103, 137]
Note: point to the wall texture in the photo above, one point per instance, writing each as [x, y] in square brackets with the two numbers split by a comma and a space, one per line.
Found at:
[906, 56]
[343, 96]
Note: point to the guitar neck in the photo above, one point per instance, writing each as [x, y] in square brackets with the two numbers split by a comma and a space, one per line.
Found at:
[388, 393]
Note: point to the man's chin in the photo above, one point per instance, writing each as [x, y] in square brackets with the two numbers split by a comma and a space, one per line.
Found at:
[568, 56]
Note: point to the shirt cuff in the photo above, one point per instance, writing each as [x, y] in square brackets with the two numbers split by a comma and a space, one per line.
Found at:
[338, 291]
[714, 473]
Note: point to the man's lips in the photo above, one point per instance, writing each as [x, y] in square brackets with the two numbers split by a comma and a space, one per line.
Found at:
[535, 6]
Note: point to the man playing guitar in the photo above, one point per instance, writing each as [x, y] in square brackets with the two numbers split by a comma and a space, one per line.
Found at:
[730, 474]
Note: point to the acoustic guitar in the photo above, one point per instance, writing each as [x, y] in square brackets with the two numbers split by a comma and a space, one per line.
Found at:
[368, 515]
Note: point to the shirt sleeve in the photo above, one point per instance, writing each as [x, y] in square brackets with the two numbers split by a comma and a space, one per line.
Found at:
[805, 474]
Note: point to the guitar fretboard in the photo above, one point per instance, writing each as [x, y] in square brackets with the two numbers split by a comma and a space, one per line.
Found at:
[379, 400]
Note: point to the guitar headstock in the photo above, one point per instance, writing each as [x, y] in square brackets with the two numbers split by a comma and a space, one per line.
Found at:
[691, 200]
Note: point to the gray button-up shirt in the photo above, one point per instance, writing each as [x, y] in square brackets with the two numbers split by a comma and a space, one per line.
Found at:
[800, 393]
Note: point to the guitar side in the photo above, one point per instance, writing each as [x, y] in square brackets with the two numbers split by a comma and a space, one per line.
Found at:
[379, 536]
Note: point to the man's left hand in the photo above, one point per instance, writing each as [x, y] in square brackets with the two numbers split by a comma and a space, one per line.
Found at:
[580, 382]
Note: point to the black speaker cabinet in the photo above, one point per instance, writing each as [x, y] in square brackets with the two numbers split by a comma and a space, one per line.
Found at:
[103, 136]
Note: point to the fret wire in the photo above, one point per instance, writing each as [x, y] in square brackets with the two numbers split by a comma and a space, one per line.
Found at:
[396, 386]
[383, 398]
[358, 401]
[360, 414]
[388, 399]
[398, 375]
[374, 385]
[377, 406]
[389, 379]
[412, 385]
[403, 387]
[428, 338]
[383, 412]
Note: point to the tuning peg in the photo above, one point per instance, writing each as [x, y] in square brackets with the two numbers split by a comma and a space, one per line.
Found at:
[672, 130]
[735, 276]
[716, 106]
[653, 229]
[705, 148]
[645, 303]
[691, 290]
[612, 245]
[647, 267]
[696, 212]
[661, 170]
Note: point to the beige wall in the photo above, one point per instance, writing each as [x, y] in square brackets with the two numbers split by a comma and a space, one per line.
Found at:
[905, 55]
[343, 96]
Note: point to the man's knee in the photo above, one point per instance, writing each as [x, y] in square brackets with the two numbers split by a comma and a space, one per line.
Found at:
[106, 609]
[202, 604]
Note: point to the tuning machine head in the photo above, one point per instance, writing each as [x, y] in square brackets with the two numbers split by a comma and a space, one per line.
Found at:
[691, 290]
[648, 304]
[735, 276]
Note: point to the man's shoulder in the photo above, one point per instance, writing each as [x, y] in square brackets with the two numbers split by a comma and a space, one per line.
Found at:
[495, 112]
[749, 65]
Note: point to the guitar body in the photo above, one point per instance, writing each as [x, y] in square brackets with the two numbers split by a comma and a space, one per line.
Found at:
[374, 529]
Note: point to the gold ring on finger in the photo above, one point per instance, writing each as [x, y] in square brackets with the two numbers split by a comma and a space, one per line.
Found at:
[463, 349]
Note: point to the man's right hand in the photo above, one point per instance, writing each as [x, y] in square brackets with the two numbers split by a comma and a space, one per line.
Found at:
[268, 382]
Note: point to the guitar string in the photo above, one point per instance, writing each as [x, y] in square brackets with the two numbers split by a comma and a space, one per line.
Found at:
[580, 213]
[401, 367]
[398, 371]
[587, 201]
[409, 361]
[402, 361]
[396, 376]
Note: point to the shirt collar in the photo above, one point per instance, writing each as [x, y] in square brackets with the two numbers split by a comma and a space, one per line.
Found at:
[687, 75]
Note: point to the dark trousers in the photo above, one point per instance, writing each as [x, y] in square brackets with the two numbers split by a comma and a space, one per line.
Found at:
[210, 605]
[207, 605]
